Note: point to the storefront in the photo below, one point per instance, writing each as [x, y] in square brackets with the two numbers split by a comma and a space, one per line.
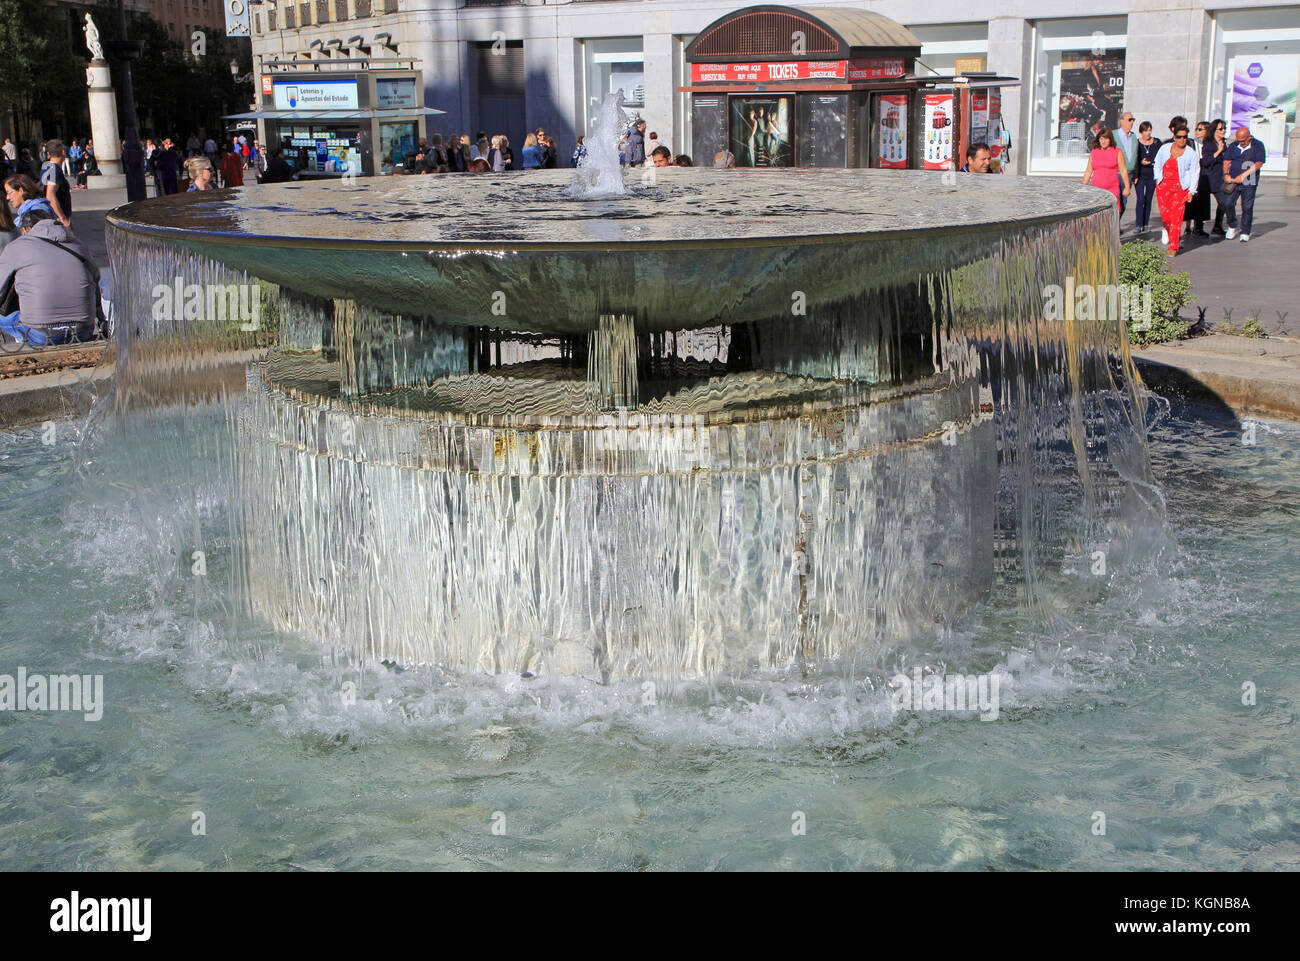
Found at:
[844, 92]
[330, 125]
[1254, 76]
[1079, 68]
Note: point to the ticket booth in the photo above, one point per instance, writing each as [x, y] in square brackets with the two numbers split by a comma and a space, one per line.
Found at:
[777, 86]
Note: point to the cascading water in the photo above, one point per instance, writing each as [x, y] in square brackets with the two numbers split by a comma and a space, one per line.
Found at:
[692, 437]
[600, 175]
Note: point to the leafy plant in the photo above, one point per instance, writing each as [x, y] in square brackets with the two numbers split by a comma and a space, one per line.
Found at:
[1253, 328]
[1145, 264]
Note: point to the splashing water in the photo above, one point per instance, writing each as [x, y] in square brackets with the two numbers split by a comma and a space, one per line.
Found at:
[600, 176]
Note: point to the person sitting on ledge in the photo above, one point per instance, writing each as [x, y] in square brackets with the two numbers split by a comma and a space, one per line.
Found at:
[56, 283]
[683, 160]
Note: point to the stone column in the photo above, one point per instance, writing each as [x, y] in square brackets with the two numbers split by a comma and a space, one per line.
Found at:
[103, 128]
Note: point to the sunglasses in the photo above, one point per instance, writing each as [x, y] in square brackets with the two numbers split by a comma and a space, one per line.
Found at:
[1180, 136]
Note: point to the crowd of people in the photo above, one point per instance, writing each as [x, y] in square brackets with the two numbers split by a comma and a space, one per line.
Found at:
[486, 154]
[228, 163]
[1181, 174]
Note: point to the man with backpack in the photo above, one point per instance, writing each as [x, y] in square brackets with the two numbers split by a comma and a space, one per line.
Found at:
[54, 281]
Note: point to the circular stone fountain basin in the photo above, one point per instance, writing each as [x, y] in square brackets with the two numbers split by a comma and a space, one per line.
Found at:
[686, 248]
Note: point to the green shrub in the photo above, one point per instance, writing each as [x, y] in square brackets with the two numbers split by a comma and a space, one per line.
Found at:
[1253, 328]
[1143, 263]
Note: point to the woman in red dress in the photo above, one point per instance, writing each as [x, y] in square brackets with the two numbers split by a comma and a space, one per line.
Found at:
[1177, 170]
[1106, 167]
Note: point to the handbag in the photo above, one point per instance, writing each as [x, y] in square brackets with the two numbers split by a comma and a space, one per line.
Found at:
[1229, 187]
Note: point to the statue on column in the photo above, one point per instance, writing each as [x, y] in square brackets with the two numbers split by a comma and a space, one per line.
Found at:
[92, 39]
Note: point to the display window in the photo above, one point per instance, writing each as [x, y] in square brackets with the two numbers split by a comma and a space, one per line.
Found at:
[1255, 75]
[322, 150]
[760, 131]
[1079, 68]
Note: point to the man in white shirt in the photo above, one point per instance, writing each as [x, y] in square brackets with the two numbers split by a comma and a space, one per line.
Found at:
[1126, 141]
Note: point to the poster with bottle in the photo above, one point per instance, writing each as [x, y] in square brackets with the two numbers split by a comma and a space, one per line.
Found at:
[937, 142]
[891, 134]
[1262, 91]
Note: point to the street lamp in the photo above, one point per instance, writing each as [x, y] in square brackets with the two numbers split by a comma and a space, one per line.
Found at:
[234, 72]
[126, 50]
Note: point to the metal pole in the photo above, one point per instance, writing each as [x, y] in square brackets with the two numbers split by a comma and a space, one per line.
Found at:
[127, 50]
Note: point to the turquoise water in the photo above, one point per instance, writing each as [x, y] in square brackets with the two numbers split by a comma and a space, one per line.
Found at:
[1128, 703]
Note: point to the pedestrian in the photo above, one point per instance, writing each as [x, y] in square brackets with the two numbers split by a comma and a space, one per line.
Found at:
[683, 160]
[550, 154]
[55, 182]
[636, 145]
[193, 146]
[75, 160]
[232, 167]
[1106, 167]
[478, 161]
[167, 164]
[579, 154]
[1126, 140]
[210, 151]
[1242, 162]
[200, 174]
[1198, 209]
[654, 143]
[90, 166]
[1147, 148]
[507, 154]
[1216, 145]
[1178, 170]
[661, 157]
[496, 156]
[532, 153]
[10, 156]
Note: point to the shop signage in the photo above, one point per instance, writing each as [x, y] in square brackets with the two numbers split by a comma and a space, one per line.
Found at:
[236, 18]
[399, 92]
[266, 84]
[315, 94]
[872, 68]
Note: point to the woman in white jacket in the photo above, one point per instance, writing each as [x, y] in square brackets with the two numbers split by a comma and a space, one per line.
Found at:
[1178, 169]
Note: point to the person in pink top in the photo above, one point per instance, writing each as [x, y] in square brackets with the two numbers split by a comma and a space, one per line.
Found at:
[1106, 168]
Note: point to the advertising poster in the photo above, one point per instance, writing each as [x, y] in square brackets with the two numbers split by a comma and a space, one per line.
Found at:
[760, 132]
[997, 148]
[979, 116]
[938, 131]
[891, 135]
[1263, 98]
[1091, 95]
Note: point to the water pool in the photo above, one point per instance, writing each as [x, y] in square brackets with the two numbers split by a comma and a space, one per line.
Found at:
[1128, 703]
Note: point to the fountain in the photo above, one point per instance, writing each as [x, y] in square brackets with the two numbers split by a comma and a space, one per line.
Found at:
[732, 421]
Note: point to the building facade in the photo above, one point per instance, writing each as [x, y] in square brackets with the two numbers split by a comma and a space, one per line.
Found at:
[510, 67]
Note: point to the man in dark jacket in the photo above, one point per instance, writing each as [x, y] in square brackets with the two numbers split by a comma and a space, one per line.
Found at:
[56, 282]
[278, 170]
